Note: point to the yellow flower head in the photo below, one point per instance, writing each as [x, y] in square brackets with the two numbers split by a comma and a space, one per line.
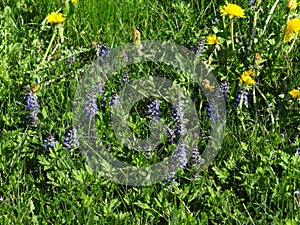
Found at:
[232, 10]
[75, 2]
[246, 78]
[292, 4]
[292, 29]
[55, 17]
[295, 93]
[212, 40]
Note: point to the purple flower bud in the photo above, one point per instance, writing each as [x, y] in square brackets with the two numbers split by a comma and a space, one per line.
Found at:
[49, 142]
[195, 156]
[244, 94]
[179, 128]
[213, 118]
[91, 107]
[125, 77]
[214, 20]
[103, 51]
[114, 100]
[180, 154]
[32, 107]
[154, 110]
[71, 139]
[171, 134]
[224, 88]
[251, 2]
[199, 47]
[177, 112]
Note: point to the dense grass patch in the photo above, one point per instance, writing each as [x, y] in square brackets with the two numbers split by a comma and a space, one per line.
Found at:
[256, 172]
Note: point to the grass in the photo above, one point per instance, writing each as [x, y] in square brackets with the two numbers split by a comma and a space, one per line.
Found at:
[257, 170]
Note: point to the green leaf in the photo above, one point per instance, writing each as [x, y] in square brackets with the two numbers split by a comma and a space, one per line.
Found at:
[142, 205]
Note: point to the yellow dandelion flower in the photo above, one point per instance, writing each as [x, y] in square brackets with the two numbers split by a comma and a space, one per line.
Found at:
[232, 10]
[292, 29]
[248, 73]
[246, 78]
[212, 40]
[295, 93]
[55, 17]
[292, 4]
[75, 2]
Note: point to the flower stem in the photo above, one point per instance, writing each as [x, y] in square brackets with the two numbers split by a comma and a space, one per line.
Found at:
[226, 36]
[231, 31]
[270, 15]
[49, 46]
[268, 106]
[292, 45]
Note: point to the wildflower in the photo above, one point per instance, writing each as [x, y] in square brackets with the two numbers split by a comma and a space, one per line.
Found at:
[295, 93]
[103, 51]
[242, 95]
[91, 107]
[49, 141]
[154, 110]
[125, 77]
[211, 118]
[292, 4]
[195, 156]
[224, 89]
[71, 139]
[199, 47]
[246, 78]
[56, 18]
[213, 40]
[179, 128]
[214, 20]
[292, 29]
[177, 112]
[180, 154]
[298, 150]
[171, 134]
[75, 2]
[251, 2]
[114, 100]
[32, 107]
[232, 10]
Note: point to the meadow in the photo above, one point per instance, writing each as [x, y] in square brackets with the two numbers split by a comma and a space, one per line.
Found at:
[252, 49]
